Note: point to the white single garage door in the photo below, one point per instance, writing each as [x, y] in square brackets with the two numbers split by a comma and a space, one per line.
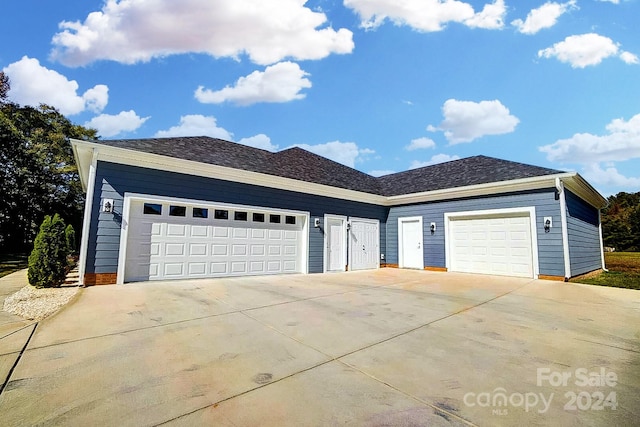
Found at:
[173, 240]
[500, 245]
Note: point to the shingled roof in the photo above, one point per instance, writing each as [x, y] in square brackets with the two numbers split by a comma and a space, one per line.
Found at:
[459, 173]
[302, 165]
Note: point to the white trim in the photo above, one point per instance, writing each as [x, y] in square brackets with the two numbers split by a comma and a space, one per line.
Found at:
[565, 229]
[126, 212]
[529, 210]
[350, 242]
[401, 242]
[172, 164]
[124, 236]
[500, 187]
[86, 221]
[325, 261]
[604, 265]
[190, 167]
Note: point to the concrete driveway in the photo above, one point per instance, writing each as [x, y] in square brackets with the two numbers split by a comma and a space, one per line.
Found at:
[380, 348]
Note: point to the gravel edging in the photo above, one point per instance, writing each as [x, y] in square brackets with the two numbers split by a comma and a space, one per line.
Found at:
[36, 304]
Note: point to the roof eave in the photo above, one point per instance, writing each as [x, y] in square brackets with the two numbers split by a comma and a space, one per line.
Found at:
[190, 167]
[83, 153]
[500, 187]
[579, 186]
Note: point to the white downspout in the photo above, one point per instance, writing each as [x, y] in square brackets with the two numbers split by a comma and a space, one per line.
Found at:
[604, 267]
[86, 222]
[565, 231]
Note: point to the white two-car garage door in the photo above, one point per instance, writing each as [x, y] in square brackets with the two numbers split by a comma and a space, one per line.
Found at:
[498, 244]
[174, 240]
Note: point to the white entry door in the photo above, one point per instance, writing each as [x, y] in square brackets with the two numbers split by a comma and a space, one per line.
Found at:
[364, 244]
[335, 243]
[410, 242]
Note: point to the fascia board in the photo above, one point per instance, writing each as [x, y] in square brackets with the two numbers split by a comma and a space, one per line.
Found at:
[82, 152]
[159, 162]
[534, 183]
[585, 191]
[83, 156]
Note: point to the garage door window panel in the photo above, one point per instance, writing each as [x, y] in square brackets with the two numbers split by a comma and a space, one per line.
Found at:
[200, 213]
[177, 210]
[221, 214]
[152, 209]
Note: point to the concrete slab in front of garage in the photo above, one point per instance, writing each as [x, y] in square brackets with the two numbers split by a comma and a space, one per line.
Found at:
[385, 347]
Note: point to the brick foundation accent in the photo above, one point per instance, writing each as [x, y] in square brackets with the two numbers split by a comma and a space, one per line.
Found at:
[388, 265]
[444, 269]
[556, 278]
[91, 279]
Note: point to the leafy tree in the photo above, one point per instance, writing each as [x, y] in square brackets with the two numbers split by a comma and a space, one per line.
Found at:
[38, 173]
[4, 86]
[48, 259]
[70, 238]
[621, 222]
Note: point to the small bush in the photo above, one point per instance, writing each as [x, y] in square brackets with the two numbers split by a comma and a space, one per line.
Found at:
[48, 260]
[70, 237]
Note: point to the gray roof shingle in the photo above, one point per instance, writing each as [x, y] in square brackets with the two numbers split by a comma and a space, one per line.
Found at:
[459, 173]
[302, 165]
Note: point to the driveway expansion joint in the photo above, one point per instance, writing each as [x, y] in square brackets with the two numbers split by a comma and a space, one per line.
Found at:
[24, 348]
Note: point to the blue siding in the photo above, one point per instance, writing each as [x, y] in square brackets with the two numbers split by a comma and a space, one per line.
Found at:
[113, 180]
[584, 235]
[550, 254]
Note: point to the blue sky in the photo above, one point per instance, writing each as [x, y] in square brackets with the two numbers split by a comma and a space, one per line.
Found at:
[379, 85]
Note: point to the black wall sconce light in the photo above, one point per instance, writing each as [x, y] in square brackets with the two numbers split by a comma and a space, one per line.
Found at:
[548, 223]
[316, 222]
[107, 205]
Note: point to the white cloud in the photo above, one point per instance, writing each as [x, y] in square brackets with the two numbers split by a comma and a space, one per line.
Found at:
[346, 153]
[611, 1]
[491, 17]
[621, 143]
[420, 143]
[438, 158]
[629, 58]
[545, 16]
[196, 125]
[382, 172]
[259, 141]
[281, 82]
[131, 31]
[584, 50]
[427, 15]
[609, 177]
[33, 84]
[465, 121]
[111, 125]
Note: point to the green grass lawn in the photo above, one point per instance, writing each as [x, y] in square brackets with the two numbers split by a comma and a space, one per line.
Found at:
[10, 263]
[624, 271]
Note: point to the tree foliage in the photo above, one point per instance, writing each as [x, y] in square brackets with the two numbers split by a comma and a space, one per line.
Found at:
[48, 259]
[621, 222]
[38, 173]
[70, 238]
[4, 86]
